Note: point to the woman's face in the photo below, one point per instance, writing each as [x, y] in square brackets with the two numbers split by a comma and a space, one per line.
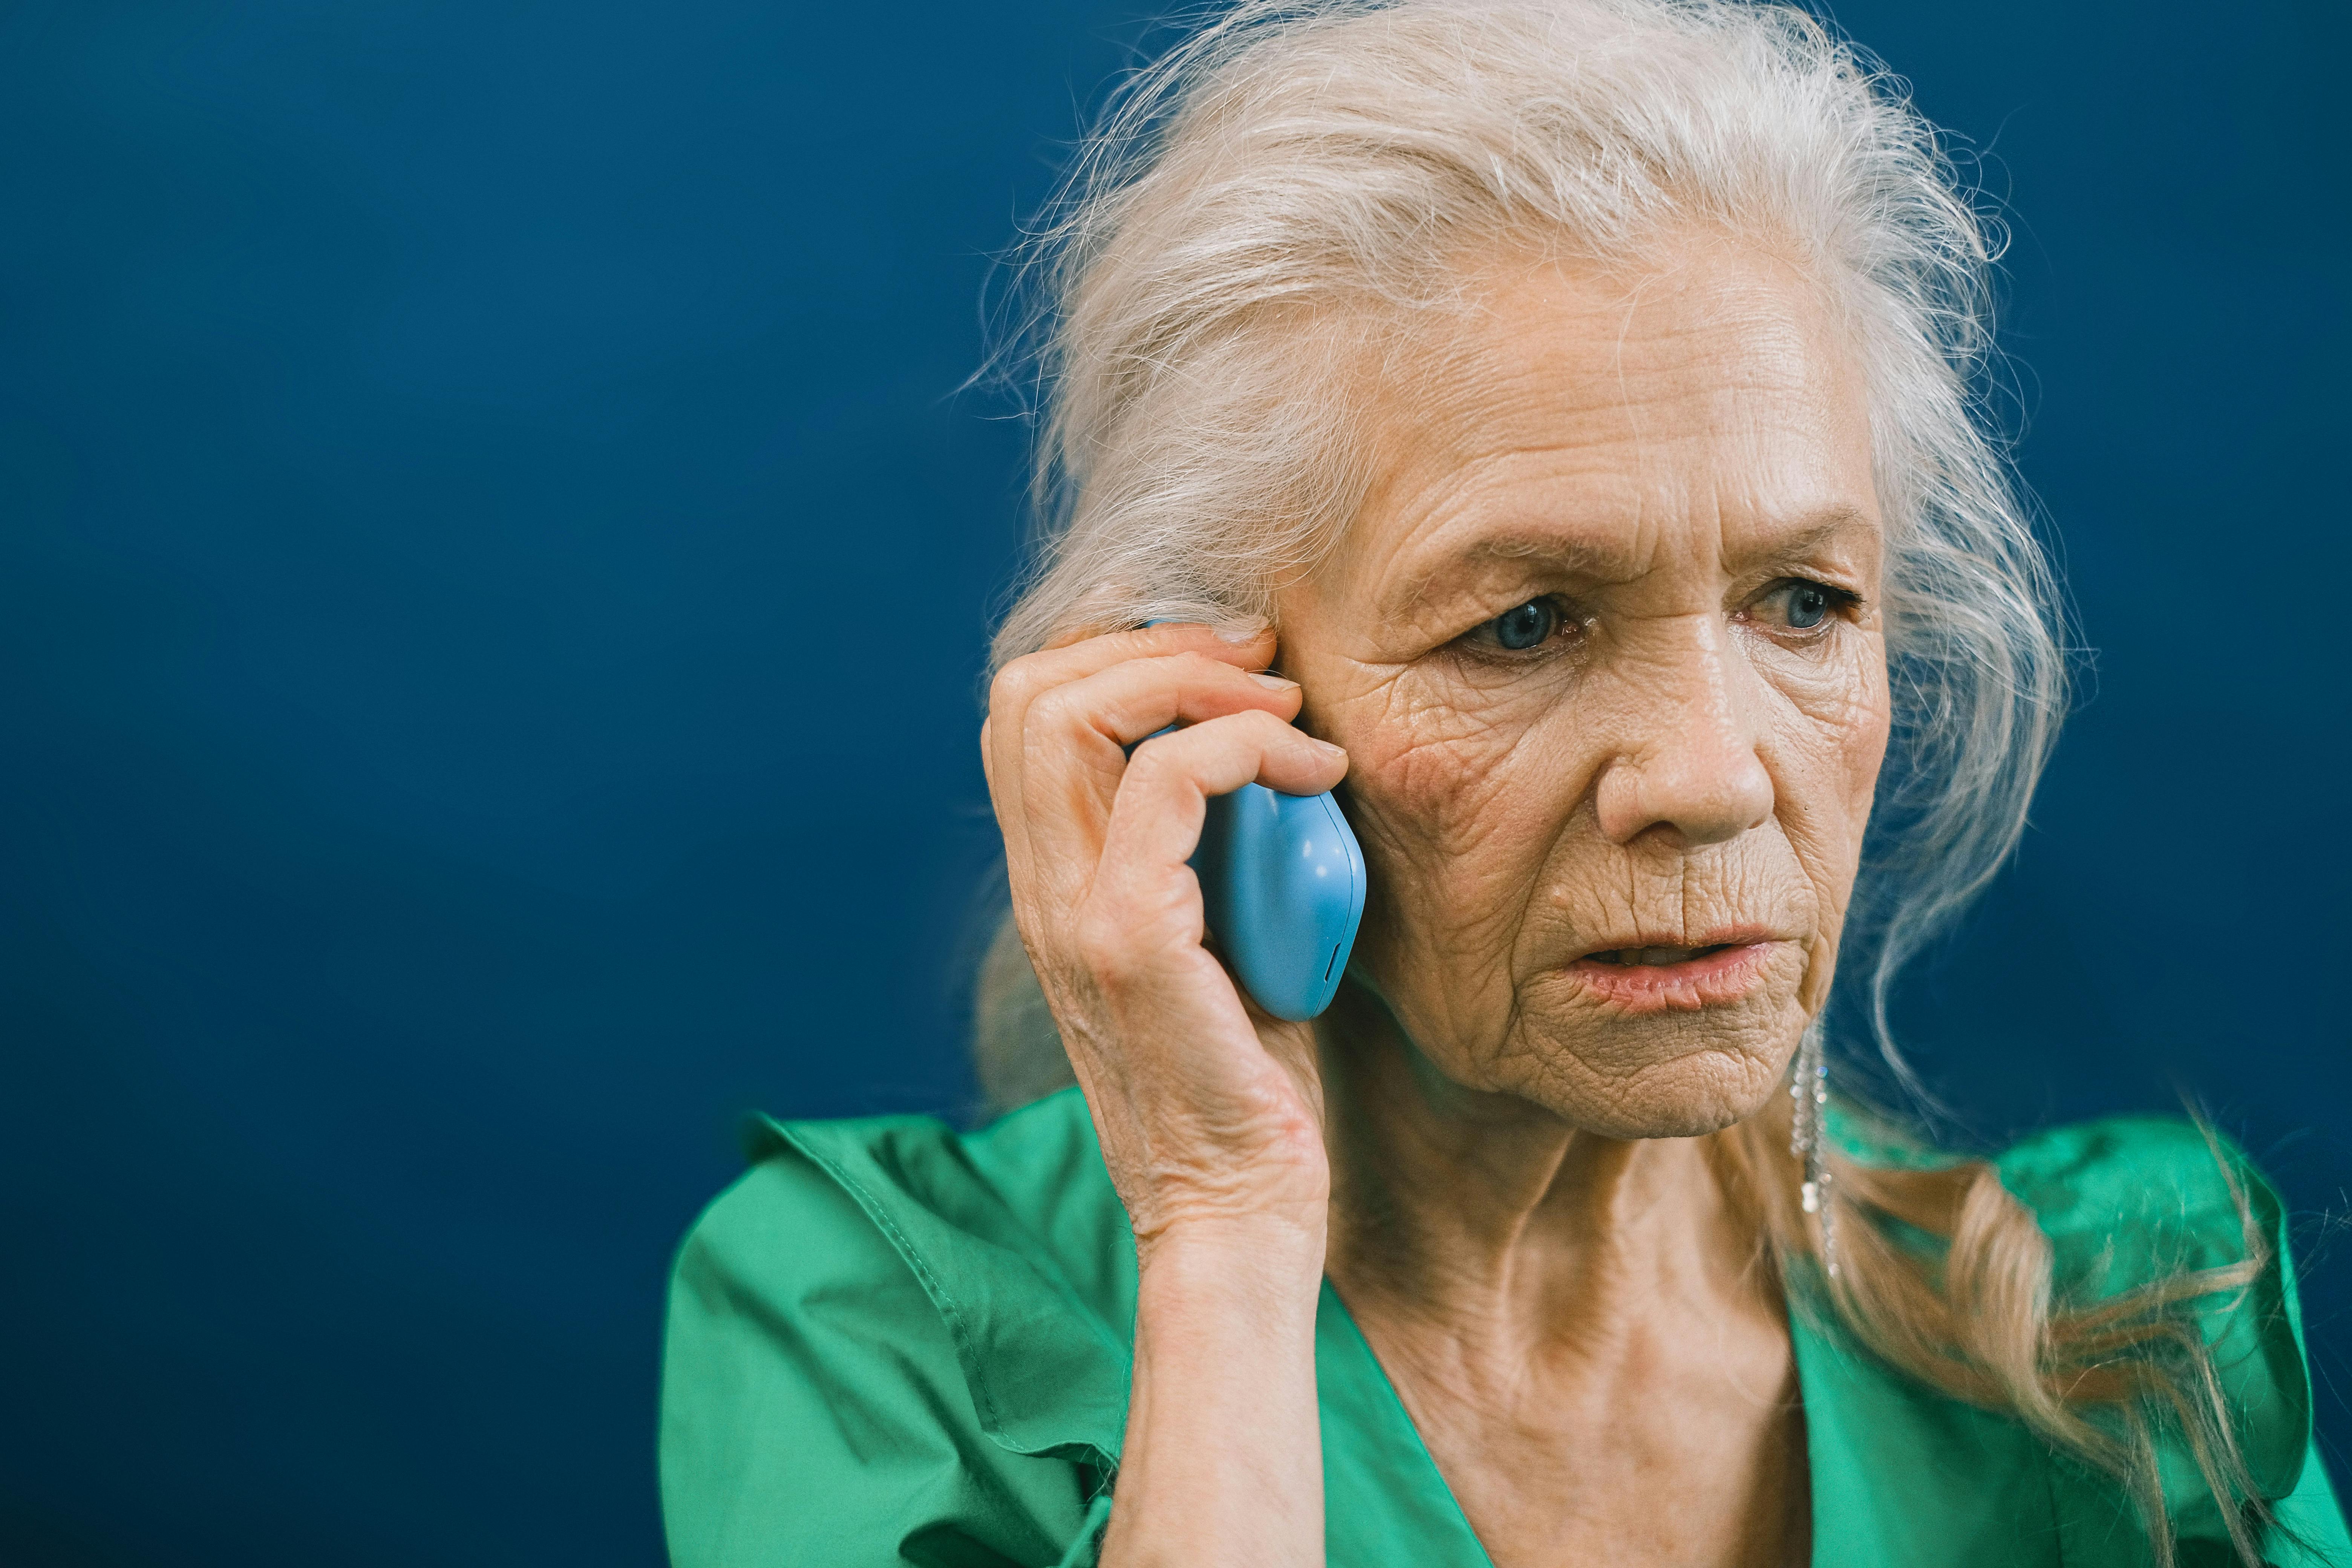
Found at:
[1605, 649]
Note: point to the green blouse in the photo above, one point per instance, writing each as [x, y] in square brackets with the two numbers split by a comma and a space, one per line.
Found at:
[893, 1343]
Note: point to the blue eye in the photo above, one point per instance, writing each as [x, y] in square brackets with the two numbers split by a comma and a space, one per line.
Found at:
[1526, 627]
[1797, 604]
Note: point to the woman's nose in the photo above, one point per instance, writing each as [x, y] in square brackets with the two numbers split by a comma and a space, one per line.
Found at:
[1688, 763]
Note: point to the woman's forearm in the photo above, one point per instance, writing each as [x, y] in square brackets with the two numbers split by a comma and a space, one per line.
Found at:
[1224, 1458]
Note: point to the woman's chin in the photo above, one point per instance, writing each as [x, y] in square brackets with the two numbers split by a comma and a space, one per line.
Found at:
[1672, 1075]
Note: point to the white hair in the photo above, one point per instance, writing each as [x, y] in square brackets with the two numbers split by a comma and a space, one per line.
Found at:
[1298, 164]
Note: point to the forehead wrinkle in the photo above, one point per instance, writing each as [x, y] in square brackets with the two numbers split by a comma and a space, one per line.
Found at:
[1478, 494]
[1475, 414]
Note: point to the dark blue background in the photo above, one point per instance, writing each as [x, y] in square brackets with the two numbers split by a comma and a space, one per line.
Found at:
[492, 576]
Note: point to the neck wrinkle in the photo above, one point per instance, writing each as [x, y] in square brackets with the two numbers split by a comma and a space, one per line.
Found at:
[1488, 1220]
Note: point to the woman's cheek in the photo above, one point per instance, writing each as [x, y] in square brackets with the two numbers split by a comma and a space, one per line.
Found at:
[1873, 723]
[1843, 719]
[1432, 770]
[1853, 729]
[1834, 741]
[1431, 792]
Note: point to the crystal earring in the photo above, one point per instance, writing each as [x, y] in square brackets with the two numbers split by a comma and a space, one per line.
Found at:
[1808, 1097]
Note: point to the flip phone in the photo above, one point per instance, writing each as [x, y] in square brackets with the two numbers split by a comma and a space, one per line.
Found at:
[1281, 885]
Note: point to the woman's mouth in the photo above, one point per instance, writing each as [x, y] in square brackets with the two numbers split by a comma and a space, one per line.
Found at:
[1655, 979]
[1654, 957]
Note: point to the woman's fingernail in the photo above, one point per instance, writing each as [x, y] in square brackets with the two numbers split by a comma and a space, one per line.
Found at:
[1340, 752]
[1273, 682]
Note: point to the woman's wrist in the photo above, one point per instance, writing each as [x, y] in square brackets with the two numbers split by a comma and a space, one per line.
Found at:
[1223, 1453]
[1224, 1278]
[1274, 1243]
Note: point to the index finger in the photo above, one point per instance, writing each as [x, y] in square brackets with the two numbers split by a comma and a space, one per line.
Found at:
[1026, 678]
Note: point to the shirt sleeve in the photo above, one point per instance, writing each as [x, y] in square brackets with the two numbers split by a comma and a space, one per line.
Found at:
[2131, 1201]
[814, 1411]
[1087, 1547]
[2310, 1530]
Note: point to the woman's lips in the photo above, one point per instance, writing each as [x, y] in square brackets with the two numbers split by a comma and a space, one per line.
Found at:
[1670, 979]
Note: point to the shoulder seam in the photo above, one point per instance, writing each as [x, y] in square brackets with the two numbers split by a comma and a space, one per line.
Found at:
[967, 1353]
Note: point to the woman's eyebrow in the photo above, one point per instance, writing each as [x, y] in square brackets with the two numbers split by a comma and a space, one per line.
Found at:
[1803, 534]
[1607, 560]
[1568, 555]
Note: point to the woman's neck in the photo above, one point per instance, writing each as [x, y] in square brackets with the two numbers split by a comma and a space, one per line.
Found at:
[1580, 1327]
[1482, 1216]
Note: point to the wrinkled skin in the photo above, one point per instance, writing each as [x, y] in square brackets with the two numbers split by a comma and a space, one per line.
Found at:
[1601, 662]
[1678, 760]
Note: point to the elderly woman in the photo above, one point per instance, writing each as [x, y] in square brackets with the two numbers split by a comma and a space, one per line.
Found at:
[1554, 418]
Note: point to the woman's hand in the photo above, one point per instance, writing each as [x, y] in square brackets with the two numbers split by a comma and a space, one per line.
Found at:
[1207, 1109]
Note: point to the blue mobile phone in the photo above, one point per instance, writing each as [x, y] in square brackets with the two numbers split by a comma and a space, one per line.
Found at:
[1281, 885]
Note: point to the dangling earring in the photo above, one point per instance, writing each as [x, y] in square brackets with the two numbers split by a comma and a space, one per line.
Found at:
[1808, 1096]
